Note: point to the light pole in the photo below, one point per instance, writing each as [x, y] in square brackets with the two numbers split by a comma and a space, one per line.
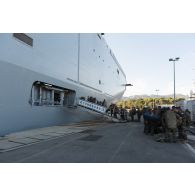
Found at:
[173, 60]
[157, 90]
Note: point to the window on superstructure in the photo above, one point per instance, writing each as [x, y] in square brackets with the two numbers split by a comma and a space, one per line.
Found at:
[24, 38]
[117, 71]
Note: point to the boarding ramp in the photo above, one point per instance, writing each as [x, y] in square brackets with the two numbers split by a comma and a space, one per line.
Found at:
[97, 108]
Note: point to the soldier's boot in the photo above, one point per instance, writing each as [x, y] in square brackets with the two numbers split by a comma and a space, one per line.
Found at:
[174, 138]
[146, 128]
[152, 130]
[184, 136]
[160, 138]
[180, 133]
[168, 137]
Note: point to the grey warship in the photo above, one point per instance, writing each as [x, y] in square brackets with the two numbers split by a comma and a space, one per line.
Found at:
[44, 77]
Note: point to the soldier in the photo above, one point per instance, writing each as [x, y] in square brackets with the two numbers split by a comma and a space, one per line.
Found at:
[147, 122]
[111, 109]
[163, 119]
[188, 117]
[130, 114]
[104, 103]
[169, 122]
[115, 111]
[122, 113]
[156, 121]
[139, 114]
[125, 114]
[133, 112]
[181, 123]
[161, 136]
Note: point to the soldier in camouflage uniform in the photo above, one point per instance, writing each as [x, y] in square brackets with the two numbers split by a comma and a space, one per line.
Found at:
[169, 122]
[181, 123]
[188, 117]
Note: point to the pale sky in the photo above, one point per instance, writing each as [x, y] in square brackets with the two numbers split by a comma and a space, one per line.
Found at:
[144, 58]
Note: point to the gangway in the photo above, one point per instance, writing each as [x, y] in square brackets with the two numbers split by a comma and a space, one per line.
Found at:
[99, 109]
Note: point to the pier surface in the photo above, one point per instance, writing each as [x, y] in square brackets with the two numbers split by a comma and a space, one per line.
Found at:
[92, 142]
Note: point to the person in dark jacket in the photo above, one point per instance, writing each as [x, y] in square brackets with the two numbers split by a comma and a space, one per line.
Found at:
[139, 114]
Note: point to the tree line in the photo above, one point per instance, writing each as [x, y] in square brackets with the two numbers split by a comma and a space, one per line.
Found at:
[146, 102]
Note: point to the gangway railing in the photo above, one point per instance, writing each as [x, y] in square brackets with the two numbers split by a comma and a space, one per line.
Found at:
[92, 106]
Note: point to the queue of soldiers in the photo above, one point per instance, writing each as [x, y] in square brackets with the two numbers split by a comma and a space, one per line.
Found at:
[169, 124]
[133, 114]
[94, 100]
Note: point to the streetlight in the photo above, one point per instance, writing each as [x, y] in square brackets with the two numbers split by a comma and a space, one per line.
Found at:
[127, 85]
[157, 90]
[173, 60]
